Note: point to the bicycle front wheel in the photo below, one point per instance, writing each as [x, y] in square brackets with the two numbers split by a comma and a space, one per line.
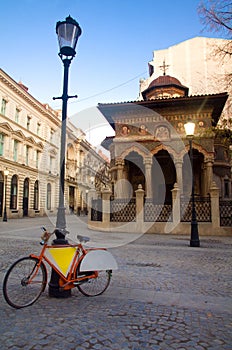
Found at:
[24, 282]
[95, 286]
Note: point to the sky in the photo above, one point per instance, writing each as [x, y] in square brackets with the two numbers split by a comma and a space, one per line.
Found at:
[117, 42]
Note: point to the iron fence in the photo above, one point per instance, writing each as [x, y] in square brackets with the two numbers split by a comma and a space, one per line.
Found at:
[155, 212]
[203, 209]
[123, 210]
[225, 213]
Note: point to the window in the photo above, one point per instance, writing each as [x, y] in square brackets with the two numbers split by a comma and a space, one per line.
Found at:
[38, 128]
[51, 135]
[28, 122]
[17, 115]
[3, 107]
[37, 156]
[27, 155]
[15, 151]
[49, 196]
[51, 164]
[13, 192]
[1, 144]
[36, 195]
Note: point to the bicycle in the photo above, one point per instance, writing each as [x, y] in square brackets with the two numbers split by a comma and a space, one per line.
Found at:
[88, 269]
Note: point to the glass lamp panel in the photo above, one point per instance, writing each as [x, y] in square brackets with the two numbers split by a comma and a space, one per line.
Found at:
[189, 128]
[68, 33]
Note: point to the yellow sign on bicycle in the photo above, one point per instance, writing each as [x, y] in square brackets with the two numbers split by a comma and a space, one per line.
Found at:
[62, 257]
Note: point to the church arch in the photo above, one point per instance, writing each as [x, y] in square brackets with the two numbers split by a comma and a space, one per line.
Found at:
[134, 169]
[163, 177]
[142, 151]
[198, 165]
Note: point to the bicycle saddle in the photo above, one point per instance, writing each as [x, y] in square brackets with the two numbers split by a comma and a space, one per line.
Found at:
[83, 239]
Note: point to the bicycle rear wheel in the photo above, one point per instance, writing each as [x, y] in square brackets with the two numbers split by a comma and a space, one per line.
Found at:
[24, 282]
[95, 286]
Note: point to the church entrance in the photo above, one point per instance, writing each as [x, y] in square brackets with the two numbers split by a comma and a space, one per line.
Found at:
[135, 170]
[198, 161]
[163, 177]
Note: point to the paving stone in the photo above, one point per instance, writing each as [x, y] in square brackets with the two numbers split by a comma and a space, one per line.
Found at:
[166, 296]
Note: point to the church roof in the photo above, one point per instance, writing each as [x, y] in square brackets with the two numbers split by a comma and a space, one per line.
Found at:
[164, 80]
[216, 102]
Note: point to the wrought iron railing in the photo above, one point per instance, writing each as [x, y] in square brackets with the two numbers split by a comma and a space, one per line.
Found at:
[123, 210]
[155, 212]
[225, 213]
[203, 209]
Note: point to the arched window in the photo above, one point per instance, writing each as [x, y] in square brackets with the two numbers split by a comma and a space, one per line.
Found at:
[36, 195]
[14, 192]
[49, 196]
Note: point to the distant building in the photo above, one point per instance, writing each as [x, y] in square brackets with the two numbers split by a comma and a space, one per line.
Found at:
[30, 152]
[197, 63]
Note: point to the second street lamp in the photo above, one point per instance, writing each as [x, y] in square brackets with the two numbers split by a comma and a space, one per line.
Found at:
[194, 240]
[68, 33]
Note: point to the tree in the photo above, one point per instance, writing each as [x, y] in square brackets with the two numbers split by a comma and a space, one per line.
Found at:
[216, 15]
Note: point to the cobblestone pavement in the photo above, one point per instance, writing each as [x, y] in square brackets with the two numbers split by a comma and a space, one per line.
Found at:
[165, 295]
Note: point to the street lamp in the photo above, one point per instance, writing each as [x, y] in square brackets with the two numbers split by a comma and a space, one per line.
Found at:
[6, 173]
[68, 32]
[194, 241]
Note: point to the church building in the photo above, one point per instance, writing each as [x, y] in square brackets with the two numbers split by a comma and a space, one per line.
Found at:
[150, 152]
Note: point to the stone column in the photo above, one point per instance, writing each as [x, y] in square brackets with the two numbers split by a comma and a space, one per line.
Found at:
[118, 185]
[106, 193]
[179, 173]
[139, 207]
[208, 175]
[215, 211]
[176, 204]
[148, 177]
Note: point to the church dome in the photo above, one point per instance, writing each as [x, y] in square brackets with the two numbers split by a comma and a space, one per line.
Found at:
[164, 80]
[165, 86]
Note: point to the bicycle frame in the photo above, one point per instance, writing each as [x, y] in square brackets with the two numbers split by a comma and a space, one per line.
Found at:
[88, 269]
[66, 282]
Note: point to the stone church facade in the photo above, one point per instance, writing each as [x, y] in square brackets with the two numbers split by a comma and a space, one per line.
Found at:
[151, 173]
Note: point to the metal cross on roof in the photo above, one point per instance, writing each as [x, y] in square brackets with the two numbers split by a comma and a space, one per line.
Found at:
[164, 67]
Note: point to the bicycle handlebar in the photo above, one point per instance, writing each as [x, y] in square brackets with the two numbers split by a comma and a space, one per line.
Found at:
[45, 236]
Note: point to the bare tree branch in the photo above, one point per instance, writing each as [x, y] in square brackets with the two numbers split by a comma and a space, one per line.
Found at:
[216, 15]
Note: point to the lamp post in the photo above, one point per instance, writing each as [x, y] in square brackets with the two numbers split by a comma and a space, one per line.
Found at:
[6, 173]
[194, 240]
[68, 32]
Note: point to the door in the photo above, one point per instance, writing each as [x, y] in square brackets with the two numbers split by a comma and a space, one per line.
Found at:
[71, 199]
[25, 197]
[1, 193]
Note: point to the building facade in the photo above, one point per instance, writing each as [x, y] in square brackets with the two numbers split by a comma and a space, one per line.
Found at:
[150, 159]
[30, 155]
[198, 64]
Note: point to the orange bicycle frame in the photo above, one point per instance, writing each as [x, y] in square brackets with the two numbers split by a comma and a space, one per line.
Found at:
[65, 282]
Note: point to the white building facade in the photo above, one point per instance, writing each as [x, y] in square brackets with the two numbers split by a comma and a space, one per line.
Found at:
[30, 155]
[197, 63]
